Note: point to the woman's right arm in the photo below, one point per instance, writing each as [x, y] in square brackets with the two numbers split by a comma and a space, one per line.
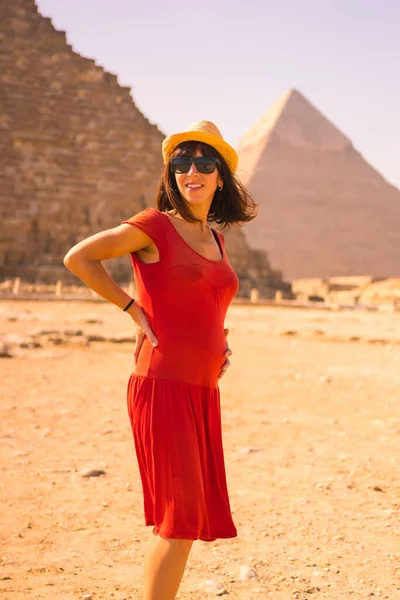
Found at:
[84, 261]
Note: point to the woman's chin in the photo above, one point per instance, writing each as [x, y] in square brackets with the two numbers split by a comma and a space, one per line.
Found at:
[196, 199]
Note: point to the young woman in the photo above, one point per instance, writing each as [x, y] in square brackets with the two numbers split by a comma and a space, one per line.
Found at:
[185, 284]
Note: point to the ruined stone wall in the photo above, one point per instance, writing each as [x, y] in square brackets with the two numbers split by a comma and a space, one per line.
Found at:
[76, 155]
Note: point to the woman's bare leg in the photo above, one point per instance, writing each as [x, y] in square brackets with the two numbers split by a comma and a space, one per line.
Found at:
[164, 565]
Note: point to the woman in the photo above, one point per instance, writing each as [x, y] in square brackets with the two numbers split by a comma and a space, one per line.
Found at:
[185, 284]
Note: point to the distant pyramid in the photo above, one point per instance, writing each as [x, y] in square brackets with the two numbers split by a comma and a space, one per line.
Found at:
[324, 211]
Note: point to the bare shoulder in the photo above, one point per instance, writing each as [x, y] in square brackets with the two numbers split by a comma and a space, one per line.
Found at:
[110, 243]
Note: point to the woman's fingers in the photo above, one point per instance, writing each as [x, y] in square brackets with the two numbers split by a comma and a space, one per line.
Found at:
[138, 343]
[224, 366]
[226, 331]
[222, 372]
[144, 324]
[150, 335]
[140, 318]
[228, 352]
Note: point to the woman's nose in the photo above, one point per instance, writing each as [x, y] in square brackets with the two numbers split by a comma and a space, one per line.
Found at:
[193, 169]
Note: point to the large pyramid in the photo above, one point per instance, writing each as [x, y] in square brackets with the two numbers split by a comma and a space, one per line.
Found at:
[324, 211]
[76, 156]
[75, 151]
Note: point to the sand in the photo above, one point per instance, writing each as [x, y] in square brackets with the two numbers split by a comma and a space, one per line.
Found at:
[311, 424]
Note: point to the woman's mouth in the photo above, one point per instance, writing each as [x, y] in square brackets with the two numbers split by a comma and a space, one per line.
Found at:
[194, 186]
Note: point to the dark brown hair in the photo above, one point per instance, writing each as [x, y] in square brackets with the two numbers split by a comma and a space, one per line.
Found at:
[232, 205]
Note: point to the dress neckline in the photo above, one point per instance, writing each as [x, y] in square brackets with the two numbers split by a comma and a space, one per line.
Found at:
[221, 249]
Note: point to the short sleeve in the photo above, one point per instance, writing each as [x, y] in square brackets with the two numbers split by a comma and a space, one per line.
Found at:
[151, 222]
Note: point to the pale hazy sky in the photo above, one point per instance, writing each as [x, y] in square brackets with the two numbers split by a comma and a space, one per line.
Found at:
[228, 60]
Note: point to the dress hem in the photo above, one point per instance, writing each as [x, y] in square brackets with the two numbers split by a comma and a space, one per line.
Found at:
[189, 536]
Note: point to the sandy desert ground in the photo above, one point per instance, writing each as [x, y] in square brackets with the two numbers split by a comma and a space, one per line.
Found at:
[311, 424]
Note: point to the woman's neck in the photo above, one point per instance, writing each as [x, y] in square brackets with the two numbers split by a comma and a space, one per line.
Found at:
[203, 225]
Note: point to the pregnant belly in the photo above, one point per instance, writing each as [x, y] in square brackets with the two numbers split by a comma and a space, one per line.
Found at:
[194, 361]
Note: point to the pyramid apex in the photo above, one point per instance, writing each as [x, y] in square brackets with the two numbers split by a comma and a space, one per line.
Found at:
[292, 93]
[294, 120]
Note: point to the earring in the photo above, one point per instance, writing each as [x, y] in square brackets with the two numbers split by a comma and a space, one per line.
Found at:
[220, 187]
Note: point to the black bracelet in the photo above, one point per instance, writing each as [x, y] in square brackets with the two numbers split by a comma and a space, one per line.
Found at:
[129, 304]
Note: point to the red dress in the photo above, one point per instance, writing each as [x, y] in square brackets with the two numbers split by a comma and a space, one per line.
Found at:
[173, 395]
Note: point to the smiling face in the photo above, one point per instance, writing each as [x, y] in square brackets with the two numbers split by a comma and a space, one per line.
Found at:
[198, 188]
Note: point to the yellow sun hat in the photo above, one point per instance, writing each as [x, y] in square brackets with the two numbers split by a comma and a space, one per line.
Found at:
[201, 131]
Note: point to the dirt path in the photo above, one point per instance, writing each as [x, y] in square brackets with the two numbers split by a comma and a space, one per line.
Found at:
[311, 434]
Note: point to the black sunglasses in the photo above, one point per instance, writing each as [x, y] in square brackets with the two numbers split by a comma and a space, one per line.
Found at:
[204, 164]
